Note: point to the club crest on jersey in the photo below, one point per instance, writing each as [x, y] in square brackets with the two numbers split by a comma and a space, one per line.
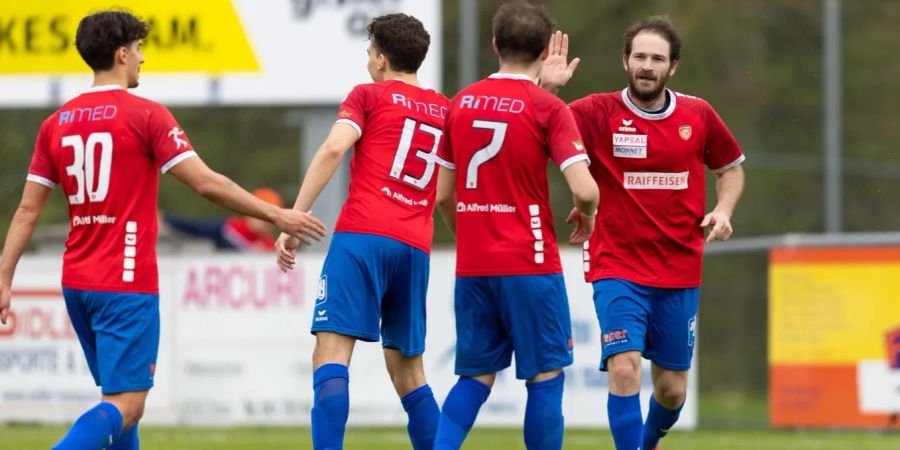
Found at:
[685, 132]
[578, 145]
[322, 290]
[175, 133]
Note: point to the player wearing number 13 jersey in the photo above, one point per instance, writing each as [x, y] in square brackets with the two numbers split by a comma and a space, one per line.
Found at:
[510, 298]
[105, 149]
[375, 276]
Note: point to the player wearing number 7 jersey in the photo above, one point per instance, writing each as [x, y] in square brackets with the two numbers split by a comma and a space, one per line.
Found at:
[105, 148]
[510, 295]
[374, 280]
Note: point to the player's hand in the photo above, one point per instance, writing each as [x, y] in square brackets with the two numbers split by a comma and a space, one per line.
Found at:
[556, 72]
[584, 226]
[721, 226]
[301, 225]
[5, 301]
[286, 251]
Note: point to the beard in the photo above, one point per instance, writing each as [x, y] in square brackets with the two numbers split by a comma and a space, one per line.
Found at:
[647, 95]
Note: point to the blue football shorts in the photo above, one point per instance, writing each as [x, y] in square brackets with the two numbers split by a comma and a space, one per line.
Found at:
[119, 333]
[525, 315]
[374, 287]
[658, 322]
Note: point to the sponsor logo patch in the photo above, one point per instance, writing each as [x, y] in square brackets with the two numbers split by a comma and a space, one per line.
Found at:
[322, 290]
[630, 146]
[655, 180]
[615, 337]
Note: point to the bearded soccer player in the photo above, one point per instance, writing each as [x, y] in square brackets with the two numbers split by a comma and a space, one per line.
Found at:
[648, 146]
[510, 295]
[375, 277]
[105, 149]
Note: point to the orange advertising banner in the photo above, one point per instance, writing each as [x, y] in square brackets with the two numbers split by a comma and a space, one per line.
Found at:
[834, 337]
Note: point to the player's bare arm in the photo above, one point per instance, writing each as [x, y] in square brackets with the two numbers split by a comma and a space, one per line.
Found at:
[446, 197]
[222, 191]
[34, 197]
[557, 70]
[322, 167]
[729, 185]
[586, 196]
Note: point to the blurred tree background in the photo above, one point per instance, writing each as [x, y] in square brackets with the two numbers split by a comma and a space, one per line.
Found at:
[758, 62]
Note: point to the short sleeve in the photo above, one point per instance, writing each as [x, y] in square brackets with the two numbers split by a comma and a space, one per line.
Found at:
[563, 139]
[42, 170]
[722, 151]
[445, 150]
[355, 108]
[168, 142]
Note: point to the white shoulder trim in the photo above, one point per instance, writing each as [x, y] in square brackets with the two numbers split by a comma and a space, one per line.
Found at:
[646, 115]
[176, 160]
[574, 159]
[734, 163]
[352, 124]
[446, 164]
[40, 180]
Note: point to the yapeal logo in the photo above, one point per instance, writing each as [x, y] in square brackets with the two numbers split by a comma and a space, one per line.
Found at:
[615, 337]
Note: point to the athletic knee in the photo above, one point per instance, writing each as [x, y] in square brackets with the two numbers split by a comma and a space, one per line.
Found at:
[131, 406]
[670, 395]
[624, 370]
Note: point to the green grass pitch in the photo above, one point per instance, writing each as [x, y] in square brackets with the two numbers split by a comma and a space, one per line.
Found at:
[42, 437]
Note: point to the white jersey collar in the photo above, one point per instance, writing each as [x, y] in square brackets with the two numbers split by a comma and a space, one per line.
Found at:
[647, 115]
[104, 88]
[511, 76]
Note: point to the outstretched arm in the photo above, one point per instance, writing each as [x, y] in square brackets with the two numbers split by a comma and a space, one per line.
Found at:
[220, 190]
[34, 197]
[318, 174]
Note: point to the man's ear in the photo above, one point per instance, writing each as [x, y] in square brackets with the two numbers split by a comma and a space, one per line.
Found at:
[674, 68]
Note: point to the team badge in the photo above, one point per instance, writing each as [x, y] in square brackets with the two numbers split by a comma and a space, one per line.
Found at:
[322, 290]
[685, 132]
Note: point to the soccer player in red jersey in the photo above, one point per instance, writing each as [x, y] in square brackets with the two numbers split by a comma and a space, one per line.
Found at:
[648, 147]
[375, 277]
[510, 295]
[105, 148]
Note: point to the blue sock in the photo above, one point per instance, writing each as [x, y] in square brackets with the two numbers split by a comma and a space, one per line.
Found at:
[625, 421]
[659, 420]
[423, 415]
[128, 440]
[543, 414]
[331, 405]
[459, 412]
[95, 429]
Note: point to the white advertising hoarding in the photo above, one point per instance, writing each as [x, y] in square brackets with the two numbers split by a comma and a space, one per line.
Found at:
[236, 350]
[234, 52]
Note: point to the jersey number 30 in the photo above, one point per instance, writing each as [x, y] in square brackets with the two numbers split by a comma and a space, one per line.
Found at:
[92, 182]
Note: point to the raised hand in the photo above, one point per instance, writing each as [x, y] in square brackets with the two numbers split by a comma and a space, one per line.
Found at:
[557, 71]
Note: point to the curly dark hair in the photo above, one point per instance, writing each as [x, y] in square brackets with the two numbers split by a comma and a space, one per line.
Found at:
[660, 25]
[402, 38]
[100, 34]
[522, 31]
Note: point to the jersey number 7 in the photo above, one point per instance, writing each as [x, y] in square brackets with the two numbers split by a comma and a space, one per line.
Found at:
[486, 153]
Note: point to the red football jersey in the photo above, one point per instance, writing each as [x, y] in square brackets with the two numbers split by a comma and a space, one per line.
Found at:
[649, 168]
[392, 173]
[501, 133]
[106, 148]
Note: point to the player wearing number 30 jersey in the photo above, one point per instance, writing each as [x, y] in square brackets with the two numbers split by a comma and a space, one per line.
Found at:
[375, 276]
[105, 149]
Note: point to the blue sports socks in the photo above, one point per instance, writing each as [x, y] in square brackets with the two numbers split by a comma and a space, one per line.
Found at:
[625, 421]
[543, 414]
[459, 412]
[331, 405]
[95, 429]
[128, 440]
[423, 413]
[659, 420]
